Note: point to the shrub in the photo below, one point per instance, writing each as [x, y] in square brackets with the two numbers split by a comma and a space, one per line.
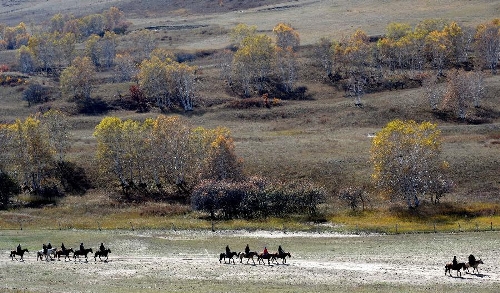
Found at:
[256, 198]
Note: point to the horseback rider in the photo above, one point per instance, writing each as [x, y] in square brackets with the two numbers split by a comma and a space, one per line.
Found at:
[101, 248]
[63, 248]
[82, 249]
[228, 251]
[472, 260]
[247, 250]
[455, 261]
[44, 247]
[19, 248]
[280, 250]
[265, 251]
[49, 246]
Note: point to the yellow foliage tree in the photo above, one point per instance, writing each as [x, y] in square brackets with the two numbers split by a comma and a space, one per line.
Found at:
[405, 158]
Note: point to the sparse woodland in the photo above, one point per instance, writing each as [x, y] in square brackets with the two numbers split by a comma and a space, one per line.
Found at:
[166, 158]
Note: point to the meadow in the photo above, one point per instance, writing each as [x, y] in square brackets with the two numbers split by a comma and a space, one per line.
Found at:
[170, 260]
[325, 138]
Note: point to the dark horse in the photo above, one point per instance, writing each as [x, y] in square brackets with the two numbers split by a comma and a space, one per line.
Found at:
[283, 256]
[248, 256]
[103, 253]
[223, 256]
[474, 266]
[460, 266]
[13, 253]
[65, 252]
[270, 256]
[82, 252]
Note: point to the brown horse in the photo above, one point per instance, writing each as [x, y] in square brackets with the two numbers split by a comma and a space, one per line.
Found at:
[448, 267]
[248, 256]
[65, 252]
[13, 253]
[270, 256]
[103, 253]
[77, 253]
[474, 266]
[223, 256]
[283, 256]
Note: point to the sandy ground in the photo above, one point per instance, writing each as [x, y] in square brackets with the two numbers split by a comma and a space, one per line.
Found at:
[187, 261]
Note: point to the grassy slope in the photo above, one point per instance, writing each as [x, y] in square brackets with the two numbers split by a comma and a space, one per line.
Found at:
[324, 139]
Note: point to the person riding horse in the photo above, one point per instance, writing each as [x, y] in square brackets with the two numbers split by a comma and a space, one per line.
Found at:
[247, 250]
[228, 251]
[472, 260]
[455, 261]
[101, 248]
[82, 248]
[63, 248]
[44, 247]
[265, 251]
[19, 249]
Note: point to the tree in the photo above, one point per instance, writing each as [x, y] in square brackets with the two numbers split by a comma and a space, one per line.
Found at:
[405, 158]
[26, 60]
[252, 62]
[35, 93]
[487, 44]
[93, 49]
[324, 54]
[153, 82]
[125, 67]
[181, 80]
[57, 127]
[108, 49]
[439, 47]
[32, 158]
[77, 81]
[462, 89]
[286, 36]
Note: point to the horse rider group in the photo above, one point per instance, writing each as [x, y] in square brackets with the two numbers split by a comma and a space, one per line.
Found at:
[247, 250]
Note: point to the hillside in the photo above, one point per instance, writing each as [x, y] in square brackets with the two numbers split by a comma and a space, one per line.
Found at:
[325, 138]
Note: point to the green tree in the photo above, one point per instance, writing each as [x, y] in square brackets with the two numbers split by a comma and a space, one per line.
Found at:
[405, 158]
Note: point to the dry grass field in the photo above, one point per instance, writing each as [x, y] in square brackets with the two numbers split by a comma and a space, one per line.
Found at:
[324, 138]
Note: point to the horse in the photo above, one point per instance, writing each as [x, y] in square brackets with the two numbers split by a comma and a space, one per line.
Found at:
[282, 256]
[49, 253]
[103, 253]
[270, 256]
[65, 252]
[13, 253]
[448, 267]
[474, 266]
[223, 256]
[82, 252]
[248, 256]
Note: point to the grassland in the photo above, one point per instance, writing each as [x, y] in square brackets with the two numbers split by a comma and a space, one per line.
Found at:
[187, 261]
[324, 138]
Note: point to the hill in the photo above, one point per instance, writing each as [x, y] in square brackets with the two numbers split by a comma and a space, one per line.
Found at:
[325, 138]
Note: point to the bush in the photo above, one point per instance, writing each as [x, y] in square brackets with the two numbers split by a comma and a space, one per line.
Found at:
[256, 198]
[35, 93]
[8, 188]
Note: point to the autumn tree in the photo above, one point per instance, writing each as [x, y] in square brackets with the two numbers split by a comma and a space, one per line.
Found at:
[324, 55]
[487, 45]
[463, 89]
[77, 80]
[125, 68]
[252, 62]
[166, 81]
[93, 50]
[405, 158]
[286, 36]
[16, 36]
[26, 60]
[287, 42]
[32, 155]
[57, 127]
